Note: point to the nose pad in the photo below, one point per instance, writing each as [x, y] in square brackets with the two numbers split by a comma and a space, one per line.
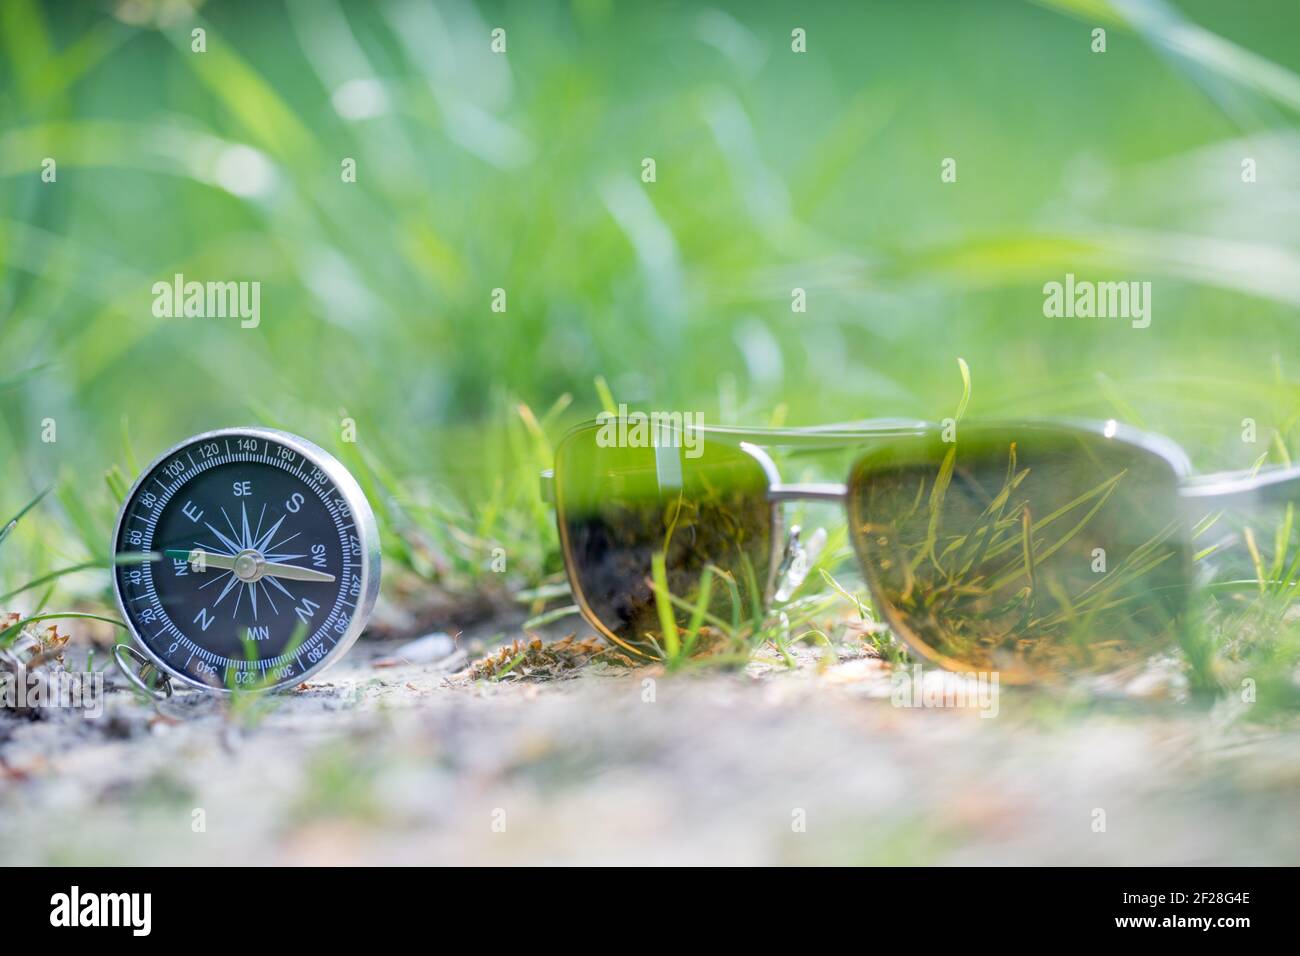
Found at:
[797, 560]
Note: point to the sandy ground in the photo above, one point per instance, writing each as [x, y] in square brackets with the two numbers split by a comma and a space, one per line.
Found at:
[390, 762]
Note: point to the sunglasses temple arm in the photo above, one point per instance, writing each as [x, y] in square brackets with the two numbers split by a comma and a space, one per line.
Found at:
[1243, 490]
[819, 436]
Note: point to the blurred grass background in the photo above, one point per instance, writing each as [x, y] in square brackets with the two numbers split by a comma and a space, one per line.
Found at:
[775, 170]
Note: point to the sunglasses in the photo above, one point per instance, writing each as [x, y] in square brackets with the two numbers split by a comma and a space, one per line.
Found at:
[1035, 549]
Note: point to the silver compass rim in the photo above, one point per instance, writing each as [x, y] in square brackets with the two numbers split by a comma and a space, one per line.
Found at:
[367, 534]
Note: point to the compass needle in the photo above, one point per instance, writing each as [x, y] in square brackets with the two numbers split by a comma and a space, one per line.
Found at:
[295, 573]
[199, 557]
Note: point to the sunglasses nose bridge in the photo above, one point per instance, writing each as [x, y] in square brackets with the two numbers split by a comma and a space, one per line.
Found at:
[808, 491]
[796, 557]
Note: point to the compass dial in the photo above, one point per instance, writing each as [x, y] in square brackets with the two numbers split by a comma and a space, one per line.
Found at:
[258, 561]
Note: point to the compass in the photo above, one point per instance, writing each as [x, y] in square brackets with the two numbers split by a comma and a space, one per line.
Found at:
[248, 559]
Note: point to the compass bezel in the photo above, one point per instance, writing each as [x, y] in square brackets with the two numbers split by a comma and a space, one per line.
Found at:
[367, 533]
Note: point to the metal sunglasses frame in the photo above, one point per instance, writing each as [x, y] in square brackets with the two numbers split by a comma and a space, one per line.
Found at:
[1226, 489]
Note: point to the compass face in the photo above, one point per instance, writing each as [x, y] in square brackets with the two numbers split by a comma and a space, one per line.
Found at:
[258, 563]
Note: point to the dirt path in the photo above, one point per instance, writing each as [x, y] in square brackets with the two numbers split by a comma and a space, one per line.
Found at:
[399, 764]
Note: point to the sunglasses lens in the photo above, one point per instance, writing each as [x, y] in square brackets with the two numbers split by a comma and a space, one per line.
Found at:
[1033, 551]
[701, 504]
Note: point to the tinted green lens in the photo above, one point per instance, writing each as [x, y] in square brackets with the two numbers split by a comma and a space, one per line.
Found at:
[1031, 551]
[701, 504]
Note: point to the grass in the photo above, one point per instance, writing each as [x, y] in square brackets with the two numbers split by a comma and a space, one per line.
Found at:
[776, 172]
